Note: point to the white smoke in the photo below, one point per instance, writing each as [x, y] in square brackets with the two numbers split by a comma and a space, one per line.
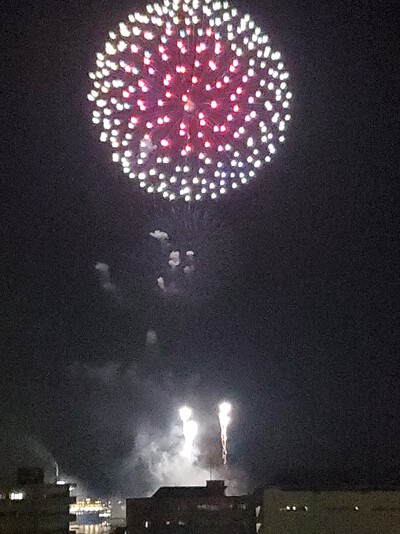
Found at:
[105, 374]
[176, 263]
[151, 338]
[174, 259]
[188, 269]
[162, 456]
[163, 459]
[104, 276]
[46, 460]
[161, 283]
[160, 235]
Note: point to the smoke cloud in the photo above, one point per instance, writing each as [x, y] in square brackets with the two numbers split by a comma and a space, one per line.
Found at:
[151, 338]
[23, 450]
[175, 266]
[174, 259]
[106, 374]
[104, 277]
[161, 455]
[159, 235]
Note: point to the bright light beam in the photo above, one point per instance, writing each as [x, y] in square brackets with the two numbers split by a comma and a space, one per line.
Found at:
[190, 429]
[224, 420]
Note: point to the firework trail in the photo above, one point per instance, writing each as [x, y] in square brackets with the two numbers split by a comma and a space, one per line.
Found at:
[190, 429]
[224, 420]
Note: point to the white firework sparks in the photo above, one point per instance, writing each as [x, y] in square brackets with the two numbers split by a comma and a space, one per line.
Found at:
[224, 420]
[191, 97]
[190, 430]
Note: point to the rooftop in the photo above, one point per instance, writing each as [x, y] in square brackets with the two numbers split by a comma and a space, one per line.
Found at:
[213, 488]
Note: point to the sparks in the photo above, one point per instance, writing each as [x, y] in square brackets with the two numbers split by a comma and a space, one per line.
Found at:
[224, 420]
[190, 429]
[214, 76]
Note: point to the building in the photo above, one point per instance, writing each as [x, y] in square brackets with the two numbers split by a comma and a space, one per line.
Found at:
[105, 512]
[32, 507]
[91, 511]
[192, 510]
[349, 511]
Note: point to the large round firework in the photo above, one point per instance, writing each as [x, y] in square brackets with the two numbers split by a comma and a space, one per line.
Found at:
[191, 97]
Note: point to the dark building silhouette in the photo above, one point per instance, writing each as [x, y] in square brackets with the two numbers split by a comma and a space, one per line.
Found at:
[32, 507]
[192, 510]
[331, 511]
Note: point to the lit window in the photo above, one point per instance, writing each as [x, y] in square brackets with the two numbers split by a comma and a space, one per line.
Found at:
[146, 524]
[294, 509]
[16, 496]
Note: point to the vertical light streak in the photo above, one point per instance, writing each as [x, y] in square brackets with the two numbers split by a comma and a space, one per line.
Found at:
[224, 420]
[190, 429]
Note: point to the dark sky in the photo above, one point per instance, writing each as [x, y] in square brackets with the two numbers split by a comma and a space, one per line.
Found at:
[296, 319]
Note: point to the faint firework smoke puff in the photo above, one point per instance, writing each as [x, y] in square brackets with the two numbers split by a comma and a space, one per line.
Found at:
[161, 283]
[174, 266]
[161, 455]
[174, 259]
[107, 373]
[189, 267]
[160, 235]
[151, 338]
[104, 276]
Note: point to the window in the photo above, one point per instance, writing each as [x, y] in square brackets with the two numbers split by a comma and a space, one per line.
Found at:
[294, 509]
[146, 524]
[210, 507]
[344, 509]
[16, 495]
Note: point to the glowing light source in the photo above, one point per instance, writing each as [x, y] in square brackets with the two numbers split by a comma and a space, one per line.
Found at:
[224, 420]
[173, 55]
[190, 429]
[17, 496]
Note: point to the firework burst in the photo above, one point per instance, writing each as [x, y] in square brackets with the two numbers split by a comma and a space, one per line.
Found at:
[191, 97]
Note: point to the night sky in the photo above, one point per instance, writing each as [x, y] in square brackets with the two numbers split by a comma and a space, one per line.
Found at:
[295, 314]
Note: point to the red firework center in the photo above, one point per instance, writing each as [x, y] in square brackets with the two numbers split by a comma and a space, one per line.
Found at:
[190, 109]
